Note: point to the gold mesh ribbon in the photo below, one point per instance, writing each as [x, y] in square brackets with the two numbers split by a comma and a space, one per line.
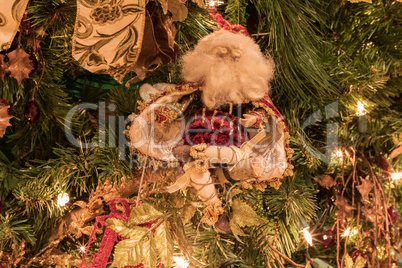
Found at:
[11, 13]
[108, 35]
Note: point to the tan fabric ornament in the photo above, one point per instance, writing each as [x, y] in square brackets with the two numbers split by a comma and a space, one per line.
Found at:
[10, 18]
[108, 35]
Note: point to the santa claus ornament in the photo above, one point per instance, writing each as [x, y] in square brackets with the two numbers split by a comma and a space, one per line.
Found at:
[219, 122]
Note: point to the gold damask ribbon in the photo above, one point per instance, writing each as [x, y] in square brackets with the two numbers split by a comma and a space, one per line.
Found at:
[108, 35]
[11, 13]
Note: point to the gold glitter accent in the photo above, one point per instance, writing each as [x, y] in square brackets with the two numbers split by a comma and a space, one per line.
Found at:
[155, 96]
[198, 152]
[275, 184]
[142, 105]
[213, 119]
[170, 115]
[212, 212]
[222, 122]
[203, 115]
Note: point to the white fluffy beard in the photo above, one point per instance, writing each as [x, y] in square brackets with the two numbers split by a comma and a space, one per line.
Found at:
[230, 66]
[229, 81]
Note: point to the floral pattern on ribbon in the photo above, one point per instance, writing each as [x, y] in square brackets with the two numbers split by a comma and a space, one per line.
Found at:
[10, 18]
[108, 35]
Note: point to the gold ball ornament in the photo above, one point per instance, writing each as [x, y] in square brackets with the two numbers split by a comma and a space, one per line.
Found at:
[367, 245]
[393, 234]
[382, 253]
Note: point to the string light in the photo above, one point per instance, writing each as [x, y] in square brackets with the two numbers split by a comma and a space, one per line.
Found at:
[62, 199]
[181, 263]
[349, 232]
[361, 110]
[396, 176]
[82, 248]
[213, 3]
[307, 236]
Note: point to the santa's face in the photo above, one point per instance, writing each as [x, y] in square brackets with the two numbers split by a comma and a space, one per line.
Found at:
[231, 67]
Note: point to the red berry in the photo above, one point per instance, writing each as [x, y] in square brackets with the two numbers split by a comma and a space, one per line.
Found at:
[32, 112]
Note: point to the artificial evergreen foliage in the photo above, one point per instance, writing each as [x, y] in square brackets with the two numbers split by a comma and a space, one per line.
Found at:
[329, 55]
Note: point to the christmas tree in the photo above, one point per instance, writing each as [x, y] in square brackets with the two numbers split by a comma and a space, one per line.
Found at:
[74, 194]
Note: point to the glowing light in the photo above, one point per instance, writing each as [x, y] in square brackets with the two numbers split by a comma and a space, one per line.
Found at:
[396, 176]
[325, 237]
[62, 199]
[82, 248]
[213, 3]
[361, 110]
[339, 153]
[181, 263]
[349, 232]
[307, 236]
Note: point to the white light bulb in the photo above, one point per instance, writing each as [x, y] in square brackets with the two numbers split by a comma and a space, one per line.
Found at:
[82, 248]
[307, 236]
[347, 232]
[213, 3]
[396, 176]
[339, 153]
[62, 199]
[181, 263]
[361, 110]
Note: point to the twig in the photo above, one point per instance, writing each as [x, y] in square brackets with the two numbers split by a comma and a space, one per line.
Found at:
[41, 75]
[378, 183]
[373, 259]
[286, 258]
[278, 260]
[338, 245]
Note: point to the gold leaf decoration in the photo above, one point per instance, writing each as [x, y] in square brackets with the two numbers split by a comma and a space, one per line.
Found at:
[188, 213]
[325, 181]
[149, 253]
[348, 261]
[359, 263]
[127, 252]
[142, 246]
[200, 3]
[243, 215]
[164, 244]
[344, 208]
[3, 67]
[143, 214]
[19, 64]
[4, 118]
[135, 233]
[180, 235]
[234, 192]
[365, 188]
[178, 9]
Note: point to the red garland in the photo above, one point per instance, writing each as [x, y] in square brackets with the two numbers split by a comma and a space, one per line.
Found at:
[225, 25]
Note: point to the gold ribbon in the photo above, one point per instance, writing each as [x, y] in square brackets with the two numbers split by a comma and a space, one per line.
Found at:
[10, 18]
[108, 35]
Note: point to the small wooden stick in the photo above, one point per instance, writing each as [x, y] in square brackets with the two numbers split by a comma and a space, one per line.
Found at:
[286, 258]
